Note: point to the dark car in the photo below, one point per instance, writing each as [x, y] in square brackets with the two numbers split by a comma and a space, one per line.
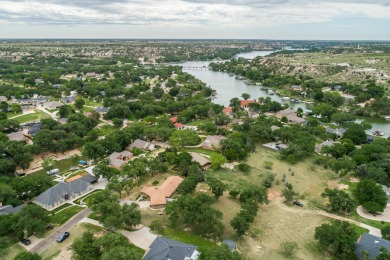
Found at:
[298, 203]
[26, 241]
[62, 237]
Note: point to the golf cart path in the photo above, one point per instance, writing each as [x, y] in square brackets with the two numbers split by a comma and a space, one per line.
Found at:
[279, 202]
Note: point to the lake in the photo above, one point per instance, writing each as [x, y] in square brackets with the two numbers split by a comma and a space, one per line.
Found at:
[228, 87]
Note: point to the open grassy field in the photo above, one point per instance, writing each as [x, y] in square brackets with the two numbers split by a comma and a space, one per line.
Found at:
[11, 252]
[38, 115]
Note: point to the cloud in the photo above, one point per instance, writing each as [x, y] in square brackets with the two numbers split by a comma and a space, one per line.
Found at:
[187, 13]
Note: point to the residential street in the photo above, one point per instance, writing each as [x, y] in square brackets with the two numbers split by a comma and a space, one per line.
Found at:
[44, 244]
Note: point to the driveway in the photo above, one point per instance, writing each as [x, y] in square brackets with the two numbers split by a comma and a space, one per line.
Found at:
[45, 243]
[142, 238]
[384, 216]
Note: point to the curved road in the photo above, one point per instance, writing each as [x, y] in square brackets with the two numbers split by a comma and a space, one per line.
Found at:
[44, 244]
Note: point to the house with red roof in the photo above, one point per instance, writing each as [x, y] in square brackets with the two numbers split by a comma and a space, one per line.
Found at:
[245, 103]
[179, 126]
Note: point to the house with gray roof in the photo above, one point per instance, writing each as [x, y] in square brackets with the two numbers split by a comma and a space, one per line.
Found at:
[62, 192]
[9, 209]
[3, 98]
[167, 249]
[327, 143]
[17, 136]
[141, 144]
[52, 105]
[117, 160]
[101, 110]
[371, 245]
[212, 142]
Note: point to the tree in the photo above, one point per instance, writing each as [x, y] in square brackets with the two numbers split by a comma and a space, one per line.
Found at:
[122, 253]
[220, 252]
[86, 247]
[65, 110]
[289, 194]
[288, 248]
[240, 224]
[217, 160]
[384, 254]
[48, 164]
[371, 195]
[118, 123]
[79, 103]
[385, 231]
[131, 214]
[25, 255]
[337, 238]
[245, 96]
[356, 134]
[6, 193]
[217, 187]
[339, 200]
[343, 118]
[181, 138]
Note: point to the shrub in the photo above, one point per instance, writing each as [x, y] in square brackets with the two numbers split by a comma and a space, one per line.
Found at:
[244, 167]
[234, 193]
[267, 182]
[268, 165]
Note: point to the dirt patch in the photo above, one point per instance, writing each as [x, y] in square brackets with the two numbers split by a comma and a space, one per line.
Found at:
[273, 194]
[36, 164]
[343, 187]
[353, 179]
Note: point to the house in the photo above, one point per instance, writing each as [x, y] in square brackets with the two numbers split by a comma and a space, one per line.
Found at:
[158, 195]
[213, 142]
[88, 114]
[141, 144]
[69, 100]
[245, 103]
[339, 132]
[231, 244]
[203, 161]
[84, 177]
[17, 136]
[179, 126]
[52, 105]
[3, 99]
[32, 128]
[371, 245]
[228, 111]
[291, 116]
[61, 192]
[173, 120]
[296, 88]
[117, 160]
[101, 110]
[167, 249]
[9, 209]
[328, 143]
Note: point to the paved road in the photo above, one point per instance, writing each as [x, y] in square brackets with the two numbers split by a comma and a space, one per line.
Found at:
[44, 244]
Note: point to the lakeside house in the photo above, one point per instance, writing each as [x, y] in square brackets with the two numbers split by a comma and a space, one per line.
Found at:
[179, 126]
[245, 103]
[228, 111]
[164, 248]
[339, 132]
[62, 192]
[158, 194]
[213, 142]
[117, 160]
[291, 116]
[141, 144]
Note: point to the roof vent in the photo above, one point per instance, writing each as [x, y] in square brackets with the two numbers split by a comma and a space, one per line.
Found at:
[376, 241]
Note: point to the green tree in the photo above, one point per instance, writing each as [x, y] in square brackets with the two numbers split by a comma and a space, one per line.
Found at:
[245, 96]
[356, 134]
[131, 214]
[371, 195]
[122, 253]
[339, 200]
[48, 164]
[217, 187]
[217, 160]
[79, 103]
[86, 247]
[337, 238]
[384, 254]
[118, 123]
[181, 138]
[289, 194]
[385, 231]
[220, 252]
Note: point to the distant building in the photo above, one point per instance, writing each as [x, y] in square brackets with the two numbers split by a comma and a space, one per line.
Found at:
[141, 144]
[245, 103]
[117, 160]
[291, 116]
[319, 147]
[179, 126]
[101, 110]
[17, 136]
[173, 119]
[167, 249]
[296, 88]
[9, 209]
[158, 195]
[371, 245]
[213, 142]
[3, 98]
[52, 105]
[63, 121]
[228, 111]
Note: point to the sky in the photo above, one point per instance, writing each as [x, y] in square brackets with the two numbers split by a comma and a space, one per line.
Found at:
[196, 19]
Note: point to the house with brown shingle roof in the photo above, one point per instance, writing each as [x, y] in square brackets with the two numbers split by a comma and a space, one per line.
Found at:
[203, 161]
[212, 142]
[158, 195]
[117, 160]
[141, 144]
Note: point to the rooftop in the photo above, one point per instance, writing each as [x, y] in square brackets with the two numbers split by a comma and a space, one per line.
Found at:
[163, 249]
[159, 194]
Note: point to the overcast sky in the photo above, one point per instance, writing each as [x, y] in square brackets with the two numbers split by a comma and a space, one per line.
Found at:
[228, 19]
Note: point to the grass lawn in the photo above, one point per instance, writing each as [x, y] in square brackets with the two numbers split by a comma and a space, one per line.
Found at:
[106, 129]
[12, 114]
[188, 238]
[38, 115]
[88, 198]
[11, 252]
[62, 165]
[198, 150]
[360, 230]
[60, 208]
[63, 216]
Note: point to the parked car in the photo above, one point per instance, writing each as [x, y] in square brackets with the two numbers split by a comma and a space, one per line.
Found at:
[62, 237]
[298, 203]
[26, 241]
